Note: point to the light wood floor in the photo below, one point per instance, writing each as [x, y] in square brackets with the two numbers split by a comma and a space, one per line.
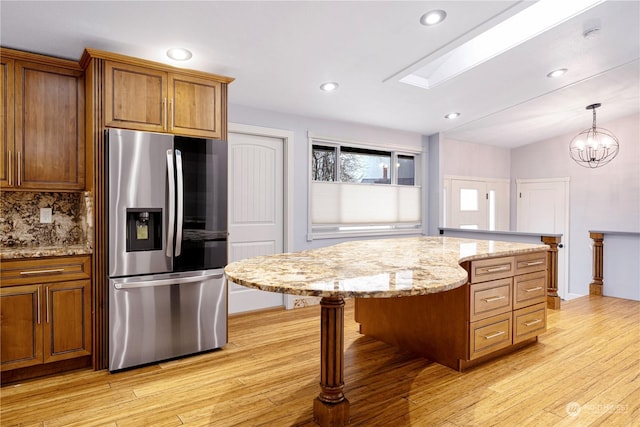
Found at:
[585, 370]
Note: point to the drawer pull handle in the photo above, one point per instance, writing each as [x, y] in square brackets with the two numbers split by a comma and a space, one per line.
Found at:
[534, 263]
[53, 270]
[492, 299]
[494, 335]
[537, 288]
[533, 322]
[499, 268]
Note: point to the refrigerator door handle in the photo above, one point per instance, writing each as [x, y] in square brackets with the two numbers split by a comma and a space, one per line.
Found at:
[180, 202]
[165, 282]
[172, 207]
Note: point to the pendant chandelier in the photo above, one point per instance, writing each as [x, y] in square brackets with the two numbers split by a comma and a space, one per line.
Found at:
[594, 147]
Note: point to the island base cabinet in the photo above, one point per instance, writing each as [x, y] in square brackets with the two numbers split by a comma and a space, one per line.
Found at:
[433, 326]
[489, 335]
[529, 322]
[501, 309]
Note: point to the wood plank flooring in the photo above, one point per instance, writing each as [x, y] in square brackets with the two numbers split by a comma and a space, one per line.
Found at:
[585, 370]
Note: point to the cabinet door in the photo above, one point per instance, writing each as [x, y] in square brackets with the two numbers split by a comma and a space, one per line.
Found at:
[67, 320]
[135, 97]
[49, 129]
[195, 106]
[7, 150]
[20, 326]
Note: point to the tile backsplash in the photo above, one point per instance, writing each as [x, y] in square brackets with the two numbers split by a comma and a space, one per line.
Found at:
[20, 219]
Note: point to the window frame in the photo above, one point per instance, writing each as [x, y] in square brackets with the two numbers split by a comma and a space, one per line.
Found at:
[345, 230]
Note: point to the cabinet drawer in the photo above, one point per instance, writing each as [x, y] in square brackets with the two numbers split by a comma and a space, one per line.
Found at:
[529, 289]
[489, 335]
[529, 322]
[40, 270]
[490, 269]
[490, 298]
[529, 263]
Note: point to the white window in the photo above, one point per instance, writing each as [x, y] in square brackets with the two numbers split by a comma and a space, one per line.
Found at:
[357, 190]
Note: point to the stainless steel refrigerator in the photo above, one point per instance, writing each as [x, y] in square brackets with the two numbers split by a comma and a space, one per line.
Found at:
[167, 222]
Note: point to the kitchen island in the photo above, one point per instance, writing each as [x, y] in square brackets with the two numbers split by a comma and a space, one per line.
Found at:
[380, 271]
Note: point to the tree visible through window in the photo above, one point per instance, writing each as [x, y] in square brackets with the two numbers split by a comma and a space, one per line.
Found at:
[359, 165]
[323, 163]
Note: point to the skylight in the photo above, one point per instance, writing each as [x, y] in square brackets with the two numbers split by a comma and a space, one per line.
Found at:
[532, 21]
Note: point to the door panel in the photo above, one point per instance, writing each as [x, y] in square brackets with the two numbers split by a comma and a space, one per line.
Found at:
[7, 161]
[21, 326]
[137, 180]
[468, 205]
[256, 200]
[135, 97]
[67, 318]
[49, 129]
[195, 106]
[542, 207]
[204, 229]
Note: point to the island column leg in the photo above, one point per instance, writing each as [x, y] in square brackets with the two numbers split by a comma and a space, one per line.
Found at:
[331, 407]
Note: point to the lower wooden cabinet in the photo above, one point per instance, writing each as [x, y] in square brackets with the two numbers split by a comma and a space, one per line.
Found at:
[489, 335]
[46, 321]
[501, 308]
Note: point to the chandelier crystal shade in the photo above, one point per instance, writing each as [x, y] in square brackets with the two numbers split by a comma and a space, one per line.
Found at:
[594, 147]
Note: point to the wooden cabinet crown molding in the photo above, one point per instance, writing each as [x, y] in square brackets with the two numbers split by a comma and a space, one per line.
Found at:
[19, 55]
[90, 54]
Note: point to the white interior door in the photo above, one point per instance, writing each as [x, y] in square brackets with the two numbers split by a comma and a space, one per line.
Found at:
[469, 205]
[256, 210]
[543, 207]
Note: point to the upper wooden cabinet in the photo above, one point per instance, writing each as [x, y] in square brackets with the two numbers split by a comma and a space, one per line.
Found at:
[6, 121]
[148, 96]
[42, 123]
[136, 97]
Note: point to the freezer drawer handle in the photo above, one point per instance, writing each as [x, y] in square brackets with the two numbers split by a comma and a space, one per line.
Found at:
[165, 282]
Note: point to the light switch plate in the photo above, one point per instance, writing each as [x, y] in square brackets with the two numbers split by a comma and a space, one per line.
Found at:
[46, 216]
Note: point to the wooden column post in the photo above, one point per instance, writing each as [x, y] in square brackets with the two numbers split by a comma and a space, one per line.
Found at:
[595, 287]
[331, 408]
[553, 300]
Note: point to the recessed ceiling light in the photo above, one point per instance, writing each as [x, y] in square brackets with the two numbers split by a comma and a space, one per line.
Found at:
[557, 73]
[433, 17]
[329, 86]
[452, 115]
[179, 54]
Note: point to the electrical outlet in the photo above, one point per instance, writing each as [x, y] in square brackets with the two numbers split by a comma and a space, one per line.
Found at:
[46, 216]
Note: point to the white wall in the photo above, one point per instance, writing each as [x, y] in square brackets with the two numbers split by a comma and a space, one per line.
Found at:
[477, 160]
[606, 198]
[300, 126]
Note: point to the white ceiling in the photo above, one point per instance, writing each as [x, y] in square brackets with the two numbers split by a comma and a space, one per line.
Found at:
[280, 52]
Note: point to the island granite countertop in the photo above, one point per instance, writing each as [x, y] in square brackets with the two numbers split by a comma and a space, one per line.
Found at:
[372, 268]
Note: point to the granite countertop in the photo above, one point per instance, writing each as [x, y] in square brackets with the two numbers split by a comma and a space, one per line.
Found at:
[372, 268]
[15, 252]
